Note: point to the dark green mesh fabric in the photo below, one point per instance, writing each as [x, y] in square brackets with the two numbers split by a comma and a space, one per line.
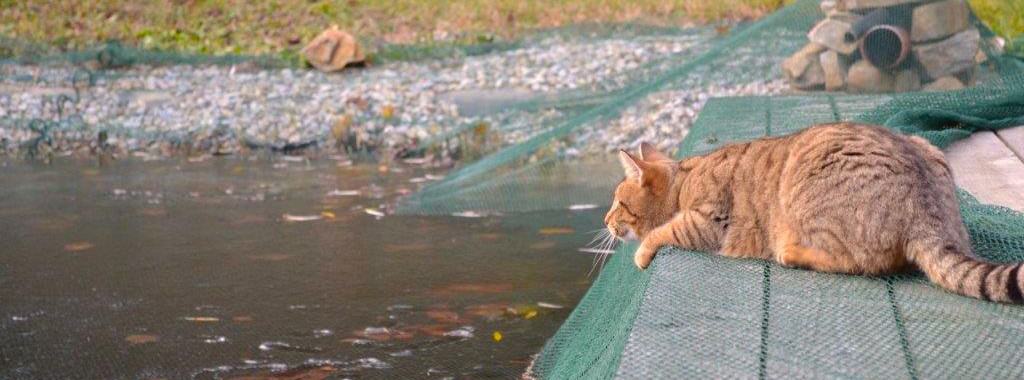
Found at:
[700, 315]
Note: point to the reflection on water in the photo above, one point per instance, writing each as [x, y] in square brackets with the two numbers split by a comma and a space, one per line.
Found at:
[232, 267]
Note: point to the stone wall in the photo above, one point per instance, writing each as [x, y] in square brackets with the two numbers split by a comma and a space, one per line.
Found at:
[873, 46]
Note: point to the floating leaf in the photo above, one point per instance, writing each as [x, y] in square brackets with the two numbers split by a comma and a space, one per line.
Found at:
[556, 230]
[374, 212]
[583, 207]
[530, 314]
[301, 218]
[327, 214]
[342, 193]
[489, 310]
[496, 336]
[78, 246]
[202, 319]
[241, 318]
[141, 339]
[550, 305]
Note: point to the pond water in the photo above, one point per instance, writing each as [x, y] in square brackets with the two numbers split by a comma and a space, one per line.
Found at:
[179, 269]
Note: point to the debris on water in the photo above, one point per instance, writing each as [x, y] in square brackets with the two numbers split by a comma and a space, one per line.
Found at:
[358, 341]
[241, 318]
[214, 339]
[490, 310]
[293, 158]
[327, 214]
[284, 346]
[469, 214]
[18, 318]
[342, 193]
[202, 319]
[399, 307]
[464, 332]
[141, 339]
[120, 192]
[530, 314]
[596, 251]
[322, 333]
[433, 177]
[418, 180]
[301, 218]
[78, 246]
[372, 211]
[401, 354]
[383, 334]
[443, 316]
[496, 336]
[543, 245]
[587, 206]
[556, 230]
[550, 305]
[417, 160]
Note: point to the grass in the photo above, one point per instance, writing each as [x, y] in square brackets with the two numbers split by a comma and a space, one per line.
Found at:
[280, 27]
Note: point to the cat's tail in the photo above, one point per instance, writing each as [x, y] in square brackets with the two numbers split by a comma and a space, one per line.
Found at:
[954, 269]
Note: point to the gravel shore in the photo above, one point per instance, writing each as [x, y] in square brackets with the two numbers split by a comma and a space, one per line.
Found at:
[389, 109]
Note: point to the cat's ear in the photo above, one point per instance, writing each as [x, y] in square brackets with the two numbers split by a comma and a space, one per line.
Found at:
[631, 165]
[651, 154]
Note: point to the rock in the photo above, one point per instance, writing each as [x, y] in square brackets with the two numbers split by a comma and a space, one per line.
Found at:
[940, 19]
[832, 34]
[968, 77]
[866, 78]
[857, 5]
[332, 50]
[907, 80]
[847, 17]
[952, 55]
[834, 67]
[946, 83]
[828, 6]
[803, 70]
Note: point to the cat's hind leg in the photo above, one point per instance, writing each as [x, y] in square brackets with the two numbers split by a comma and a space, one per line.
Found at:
[790, 252]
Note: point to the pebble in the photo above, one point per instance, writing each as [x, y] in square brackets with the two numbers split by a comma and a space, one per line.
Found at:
[212, 110]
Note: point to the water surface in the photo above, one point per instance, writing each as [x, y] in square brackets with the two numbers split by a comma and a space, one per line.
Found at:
[179, 269]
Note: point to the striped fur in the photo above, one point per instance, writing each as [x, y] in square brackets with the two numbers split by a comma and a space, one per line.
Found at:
[842, 198]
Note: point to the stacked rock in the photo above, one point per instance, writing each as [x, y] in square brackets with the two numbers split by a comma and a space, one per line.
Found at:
[873, 46]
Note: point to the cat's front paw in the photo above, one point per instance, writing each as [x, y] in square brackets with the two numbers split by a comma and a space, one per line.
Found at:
[644, 255]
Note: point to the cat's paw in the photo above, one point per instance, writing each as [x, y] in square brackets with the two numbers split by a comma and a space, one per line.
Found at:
[643, 256]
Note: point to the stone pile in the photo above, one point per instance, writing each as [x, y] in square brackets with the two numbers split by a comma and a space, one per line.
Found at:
[875, 46]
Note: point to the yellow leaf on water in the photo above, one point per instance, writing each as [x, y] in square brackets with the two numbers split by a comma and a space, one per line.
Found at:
[202, 319]
[496, 336]
[78, 246]
[530, 314]
[140, 339]
[327, 214]
[556, 230]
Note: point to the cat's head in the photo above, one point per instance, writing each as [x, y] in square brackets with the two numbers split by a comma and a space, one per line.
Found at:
[642, 200]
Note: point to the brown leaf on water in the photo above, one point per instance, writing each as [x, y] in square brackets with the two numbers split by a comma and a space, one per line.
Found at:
[407, 247]
[543, 245]
[250, 219]
[433, 330]
[301, 373]
[78, 246]
[141, 339]
[556, 231]
[489, 310]
[443, 316]
[241, 318]
[202, 319]
[270, 257]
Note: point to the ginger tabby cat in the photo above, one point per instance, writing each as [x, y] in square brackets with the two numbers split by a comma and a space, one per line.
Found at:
[841, 198]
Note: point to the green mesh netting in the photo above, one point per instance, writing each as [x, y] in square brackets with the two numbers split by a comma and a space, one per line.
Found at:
[694, 314]
[502, 181]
